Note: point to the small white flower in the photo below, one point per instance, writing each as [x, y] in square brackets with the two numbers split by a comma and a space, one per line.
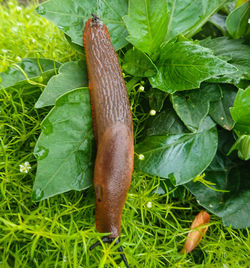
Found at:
[27, 16]
[149, 204]
[141, 156]
[210, 205]
[4, 50]
[141, 89]
[18, 58]
[33, 40]
[152, 112]
[18, 9]
[25, 167]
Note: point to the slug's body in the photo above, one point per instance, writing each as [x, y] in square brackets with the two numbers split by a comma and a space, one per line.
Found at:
[113, 127]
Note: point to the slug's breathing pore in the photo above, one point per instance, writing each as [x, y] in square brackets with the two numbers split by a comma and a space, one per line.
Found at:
[113, 129]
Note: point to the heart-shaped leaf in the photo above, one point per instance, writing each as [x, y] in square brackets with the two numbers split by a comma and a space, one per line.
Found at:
[64, 149]
[182, 156]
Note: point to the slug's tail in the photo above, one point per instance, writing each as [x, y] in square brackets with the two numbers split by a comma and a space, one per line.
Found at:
[107, 239]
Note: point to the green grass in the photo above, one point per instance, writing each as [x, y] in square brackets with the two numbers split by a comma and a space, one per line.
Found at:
[58, 232]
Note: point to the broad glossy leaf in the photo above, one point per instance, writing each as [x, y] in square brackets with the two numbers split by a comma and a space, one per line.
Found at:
[236, 53]
[187, 16]
[71, 16]
[138, 64]
[71, 75]
[192, 106]
[64, 149]
[165, 122]
[146, 23]
[27, 70]
[237, 21]
[184, 65]
[241, 111]
[156, 99]
[219, 110]
[182, 156]
[233, 206]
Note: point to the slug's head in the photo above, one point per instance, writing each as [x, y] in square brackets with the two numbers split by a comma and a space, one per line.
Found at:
[95, 21]
[93, 28]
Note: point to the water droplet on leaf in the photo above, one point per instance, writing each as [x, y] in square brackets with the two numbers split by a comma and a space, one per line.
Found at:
[40, 152]
[37, 195]
[41, 10]
[47, 127]
[63, 28]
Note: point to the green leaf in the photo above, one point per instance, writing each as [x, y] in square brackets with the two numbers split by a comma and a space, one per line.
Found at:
[219, 110]
[28, 70]
[138, 64]
[184, 65]
[71, 75]
[192, 106]
[219, 21]
[146, 23]
[165, 122]
[237, 21]
[232, 175]
[241, 111]
[156, 99]
[241, 115]
[77, 47]
[180, 156]
[188, 16]
[243, 146]
[64, 149]
[236, 53]
[71, 16]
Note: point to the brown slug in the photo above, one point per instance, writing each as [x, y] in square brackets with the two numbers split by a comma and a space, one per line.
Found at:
[113, 128]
